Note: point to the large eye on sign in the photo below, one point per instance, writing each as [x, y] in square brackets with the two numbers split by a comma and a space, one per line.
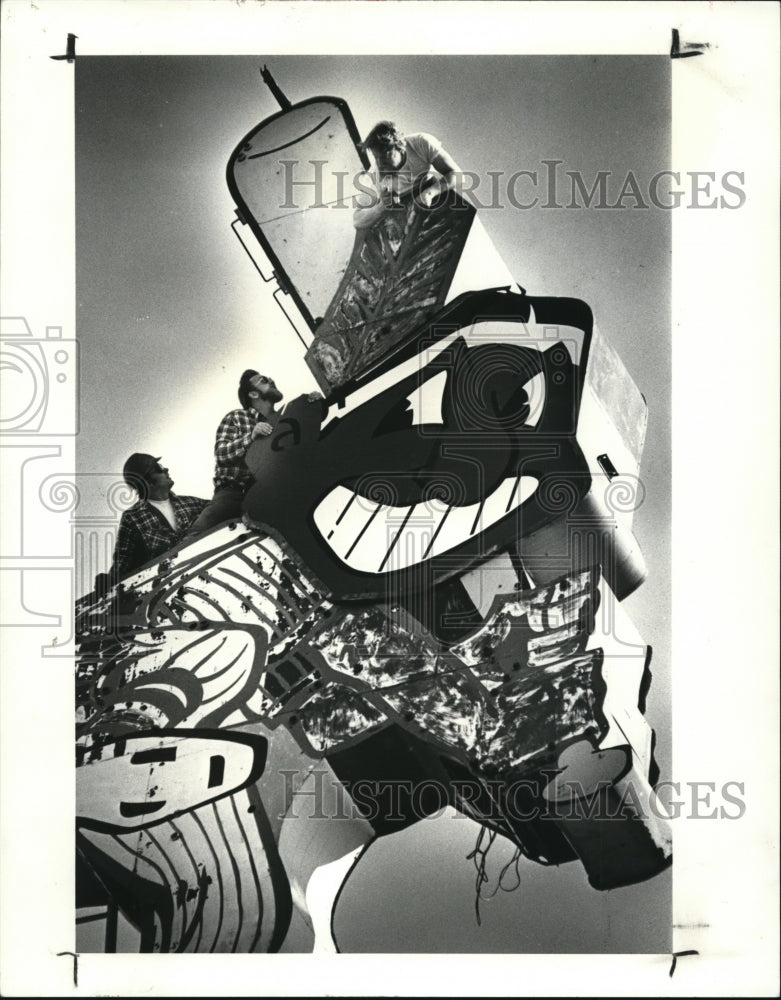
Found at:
[493, 390]
[516, 403]
[490, 389]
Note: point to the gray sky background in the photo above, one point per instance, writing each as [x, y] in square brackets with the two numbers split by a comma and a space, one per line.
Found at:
[170, 311]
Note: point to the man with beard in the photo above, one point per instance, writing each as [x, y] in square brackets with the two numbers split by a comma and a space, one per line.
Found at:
[257, 417]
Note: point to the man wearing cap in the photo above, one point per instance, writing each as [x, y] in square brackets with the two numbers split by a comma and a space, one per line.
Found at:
[257, 416]
[416, 163]
[155, 523]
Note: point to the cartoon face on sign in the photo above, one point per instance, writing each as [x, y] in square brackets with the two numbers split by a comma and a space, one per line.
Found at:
[448, 456]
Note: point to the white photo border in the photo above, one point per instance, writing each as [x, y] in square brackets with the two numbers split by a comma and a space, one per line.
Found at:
[725, 533]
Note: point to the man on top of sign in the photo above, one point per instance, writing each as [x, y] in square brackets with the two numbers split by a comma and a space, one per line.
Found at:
[414, 163]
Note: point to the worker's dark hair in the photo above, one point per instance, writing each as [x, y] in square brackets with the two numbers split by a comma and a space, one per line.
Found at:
[245, 385]
[384, 135]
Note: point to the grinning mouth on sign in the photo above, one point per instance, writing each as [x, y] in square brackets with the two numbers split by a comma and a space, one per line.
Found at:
[373, 537]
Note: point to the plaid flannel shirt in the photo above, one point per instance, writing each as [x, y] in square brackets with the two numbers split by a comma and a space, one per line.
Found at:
[234, 436]
[145, 533]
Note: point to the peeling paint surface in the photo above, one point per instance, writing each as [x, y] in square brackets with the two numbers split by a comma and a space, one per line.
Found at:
[232, 639]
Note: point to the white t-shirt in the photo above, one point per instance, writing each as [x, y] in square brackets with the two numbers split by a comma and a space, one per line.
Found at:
[422, 150]
[166, 508]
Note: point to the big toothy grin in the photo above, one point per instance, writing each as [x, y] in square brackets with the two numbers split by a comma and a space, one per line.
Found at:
[373, 537]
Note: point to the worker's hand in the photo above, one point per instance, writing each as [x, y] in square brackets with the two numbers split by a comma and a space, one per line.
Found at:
[389, 195]
[431, 190]
[261, 429]
[313, 397]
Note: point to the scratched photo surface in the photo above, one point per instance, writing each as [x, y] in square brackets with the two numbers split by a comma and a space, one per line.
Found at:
[170, 311]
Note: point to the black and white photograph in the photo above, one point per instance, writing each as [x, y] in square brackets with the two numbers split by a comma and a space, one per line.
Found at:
[373, 582]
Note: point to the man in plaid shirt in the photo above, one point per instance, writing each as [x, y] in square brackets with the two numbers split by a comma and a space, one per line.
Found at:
[258, 416]
[157, 522]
